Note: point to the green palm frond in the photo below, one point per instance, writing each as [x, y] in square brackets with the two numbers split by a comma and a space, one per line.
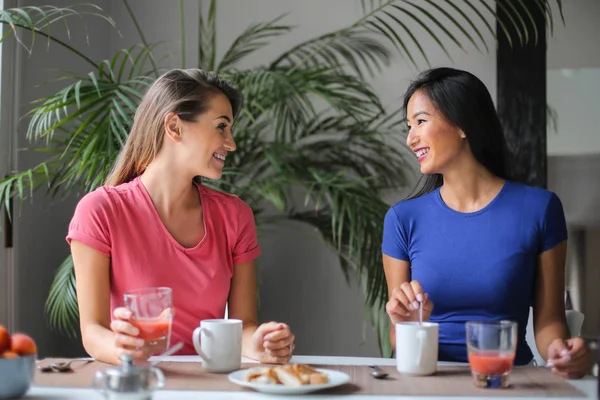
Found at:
[24, 183]
[61, 304]
[250, 40]
[394, 21]
[207, 52]
[39, 21]
[288, 95]
[353, 48]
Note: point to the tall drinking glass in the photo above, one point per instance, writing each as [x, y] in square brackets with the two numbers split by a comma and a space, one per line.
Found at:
[491, 348]
[152, 314]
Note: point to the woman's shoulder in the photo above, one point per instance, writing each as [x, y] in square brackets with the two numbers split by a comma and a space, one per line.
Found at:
[414, 203]
[105, 197]
[226, 200]
[533, 195]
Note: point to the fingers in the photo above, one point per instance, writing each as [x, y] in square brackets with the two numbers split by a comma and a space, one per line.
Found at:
[407, 289]
[417, 290]
[124, 327]
[557, 352]
[279, 344]
[122, 313]
[281, 353]
[122, 340]
[279, 335]
[126, 340]
[268, 327]
[268, 359]
[399, 303]
[571, 359]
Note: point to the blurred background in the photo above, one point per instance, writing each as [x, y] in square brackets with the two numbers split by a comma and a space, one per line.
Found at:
[334, 307]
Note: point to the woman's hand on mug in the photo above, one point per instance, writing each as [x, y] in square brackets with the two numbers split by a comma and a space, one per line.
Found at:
[273, 343]
[126, 340]
[403, 304]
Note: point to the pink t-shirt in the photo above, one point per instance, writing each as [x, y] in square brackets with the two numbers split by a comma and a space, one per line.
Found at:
[121, 222]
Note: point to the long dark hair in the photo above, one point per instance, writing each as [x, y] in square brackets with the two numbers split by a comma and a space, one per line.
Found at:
[465, 101]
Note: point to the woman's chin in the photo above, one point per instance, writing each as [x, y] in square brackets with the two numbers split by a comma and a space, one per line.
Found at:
[213, 175]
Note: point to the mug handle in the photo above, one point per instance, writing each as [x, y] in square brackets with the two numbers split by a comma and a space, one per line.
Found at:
[422, 338]
[196, 340]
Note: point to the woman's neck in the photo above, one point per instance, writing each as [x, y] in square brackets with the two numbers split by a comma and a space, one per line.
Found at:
[169, 189]
[470, 188]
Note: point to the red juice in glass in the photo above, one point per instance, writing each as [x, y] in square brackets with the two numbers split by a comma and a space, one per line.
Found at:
[491, 362]
[155, 332]
[491, 350]
[151, 310]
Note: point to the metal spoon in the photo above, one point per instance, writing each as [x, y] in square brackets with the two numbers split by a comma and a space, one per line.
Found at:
[61, 366]
[66, 366]
[377, 372]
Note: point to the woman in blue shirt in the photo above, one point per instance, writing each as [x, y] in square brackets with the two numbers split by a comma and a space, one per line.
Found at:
[471, 241]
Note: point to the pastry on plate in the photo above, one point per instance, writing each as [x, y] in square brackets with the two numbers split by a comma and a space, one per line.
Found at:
[293, 375]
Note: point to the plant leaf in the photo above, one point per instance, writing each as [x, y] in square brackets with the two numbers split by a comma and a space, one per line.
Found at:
[253, 38]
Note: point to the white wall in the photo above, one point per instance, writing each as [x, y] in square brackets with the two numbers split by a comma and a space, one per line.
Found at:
[574, 94]
[574, 43]
[574, 79]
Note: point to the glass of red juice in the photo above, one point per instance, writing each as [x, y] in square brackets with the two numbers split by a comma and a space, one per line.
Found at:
[491, 349]
[152, 314]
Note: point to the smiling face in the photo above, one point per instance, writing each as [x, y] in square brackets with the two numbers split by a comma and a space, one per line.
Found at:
[205, 142]
[435, 140]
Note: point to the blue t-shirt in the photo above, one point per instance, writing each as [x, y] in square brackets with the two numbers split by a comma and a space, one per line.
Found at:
[480, 265]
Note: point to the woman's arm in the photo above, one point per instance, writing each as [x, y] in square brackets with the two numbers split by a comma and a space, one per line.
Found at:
[568, 357]
[549, 319]
[404, 295]
[269, 343]
[242, 303]
[93, 297]
[396, 272]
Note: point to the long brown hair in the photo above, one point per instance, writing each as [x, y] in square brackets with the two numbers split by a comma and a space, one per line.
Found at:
[187, 92]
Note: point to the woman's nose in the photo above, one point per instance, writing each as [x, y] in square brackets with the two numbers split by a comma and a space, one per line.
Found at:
[411, 139]
[230, 143]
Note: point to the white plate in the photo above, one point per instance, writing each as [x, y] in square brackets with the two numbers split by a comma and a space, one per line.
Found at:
[336, 378]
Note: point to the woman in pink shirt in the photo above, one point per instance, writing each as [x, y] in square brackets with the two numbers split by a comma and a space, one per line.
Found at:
[153, 225]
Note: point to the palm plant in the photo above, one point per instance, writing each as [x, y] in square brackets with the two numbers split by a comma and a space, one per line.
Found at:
[311, 124]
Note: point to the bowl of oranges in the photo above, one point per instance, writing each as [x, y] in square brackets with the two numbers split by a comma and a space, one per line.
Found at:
[18, 353]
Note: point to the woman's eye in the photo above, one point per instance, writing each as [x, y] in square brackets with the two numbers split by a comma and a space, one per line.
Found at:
[420, 121]
[222, 127]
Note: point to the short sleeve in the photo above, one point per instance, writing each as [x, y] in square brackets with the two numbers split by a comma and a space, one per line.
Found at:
[554, 228]
[395, 243]
[246, 246]
[90, 222]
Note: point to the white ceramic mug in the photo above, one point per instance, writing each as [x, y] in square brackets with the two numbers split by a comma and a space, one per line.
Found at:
[218, 342]
[417, 348]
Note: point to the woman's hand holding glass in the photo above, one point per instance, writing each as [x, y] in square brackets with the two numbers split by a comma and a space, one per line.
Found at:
[126, 335]
[403, 304]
